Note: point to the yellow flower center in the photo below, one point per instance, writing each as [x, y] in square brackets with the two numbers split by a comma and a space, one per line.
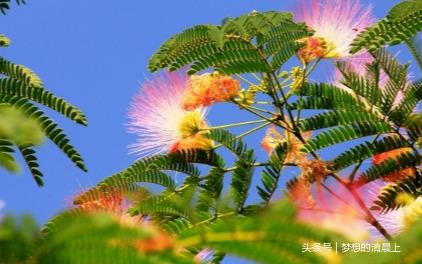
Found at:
[191, 124]
[192, 129]
[331, 51]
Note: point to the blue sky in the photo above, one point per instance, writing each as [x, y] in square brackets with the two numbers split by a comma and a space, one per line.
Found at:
[94, 54]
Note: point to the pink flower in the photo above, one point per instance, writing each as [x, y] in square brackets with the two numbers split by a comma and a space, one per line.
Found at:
[336, 24]
[158, 118]
[341, 213]
[338, 213]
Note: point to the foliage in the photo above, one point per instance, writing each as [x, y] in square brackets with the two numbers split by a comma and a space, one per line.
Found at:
[5, 5]
[238, 45]
[401, 24]
[374, 112]
[17, 238]
[20, 89]
[104, 238]
[359, 109]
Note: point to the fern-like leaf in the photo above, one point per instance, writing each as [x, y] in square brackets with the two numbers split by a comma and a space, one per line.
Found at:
[240, 45]
[28, 154]
[346, 133]
[18, 88]
[49, 127]
[367, 150]
[20, 73]
[7, 160]
[335, 118]
[393, 29]
[392, 165]
[387, 199]
[272, 173]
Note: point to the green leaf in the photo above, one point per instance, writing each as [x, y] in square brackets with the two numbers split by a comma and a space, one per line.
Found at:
[7, 160]
[199, 156]
[20, 89]
[99, 238]
[211, 190]
[18, 237]
[335, 118]
[415, 47]
[327, 96]
[4, 41]
[392, 165]
[366, 88]
[185, 47]
[272, 173]
[19, 72]
[243, 172]
[161, 205]
[28, 154]
[366, 150]
[403, 9]
[387, 198]
[48, 126]
[412, 96]
[152, 170]
[240, 45]
[228, 140]
[267, 238]
[242, 178]
[414, 126]
[346, 133]
[402, 23]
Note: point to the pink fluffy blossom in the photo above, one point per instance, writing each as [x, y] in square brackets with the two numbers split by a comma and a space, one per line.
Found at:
[157, 116]
[341, 212]
[336, 22]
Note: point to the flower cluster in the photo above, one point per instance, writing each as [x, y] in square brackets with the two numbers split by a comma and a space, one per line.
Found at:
[169, 115]
[117, 205]
[273, 138]
[113, 203]
[336, 24]
[208, 88]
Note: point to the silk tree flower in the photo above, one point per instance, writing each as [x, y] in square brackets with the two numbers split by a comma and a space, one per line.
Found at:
[273, 138]
[329, 212]
[398, 220]
[206, 89]
[162, 124]
[117, 205]
[204, 256]
[342, 214]
[336, 24]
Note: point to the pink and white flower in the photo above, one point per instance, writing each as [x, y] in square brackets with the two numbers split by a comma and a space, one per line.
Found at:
[336, 23]
[341, 213]
[159, 120]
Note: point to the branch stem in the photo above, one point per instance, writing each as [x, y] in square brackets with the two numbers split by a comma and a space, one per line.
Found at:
[236, 124]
